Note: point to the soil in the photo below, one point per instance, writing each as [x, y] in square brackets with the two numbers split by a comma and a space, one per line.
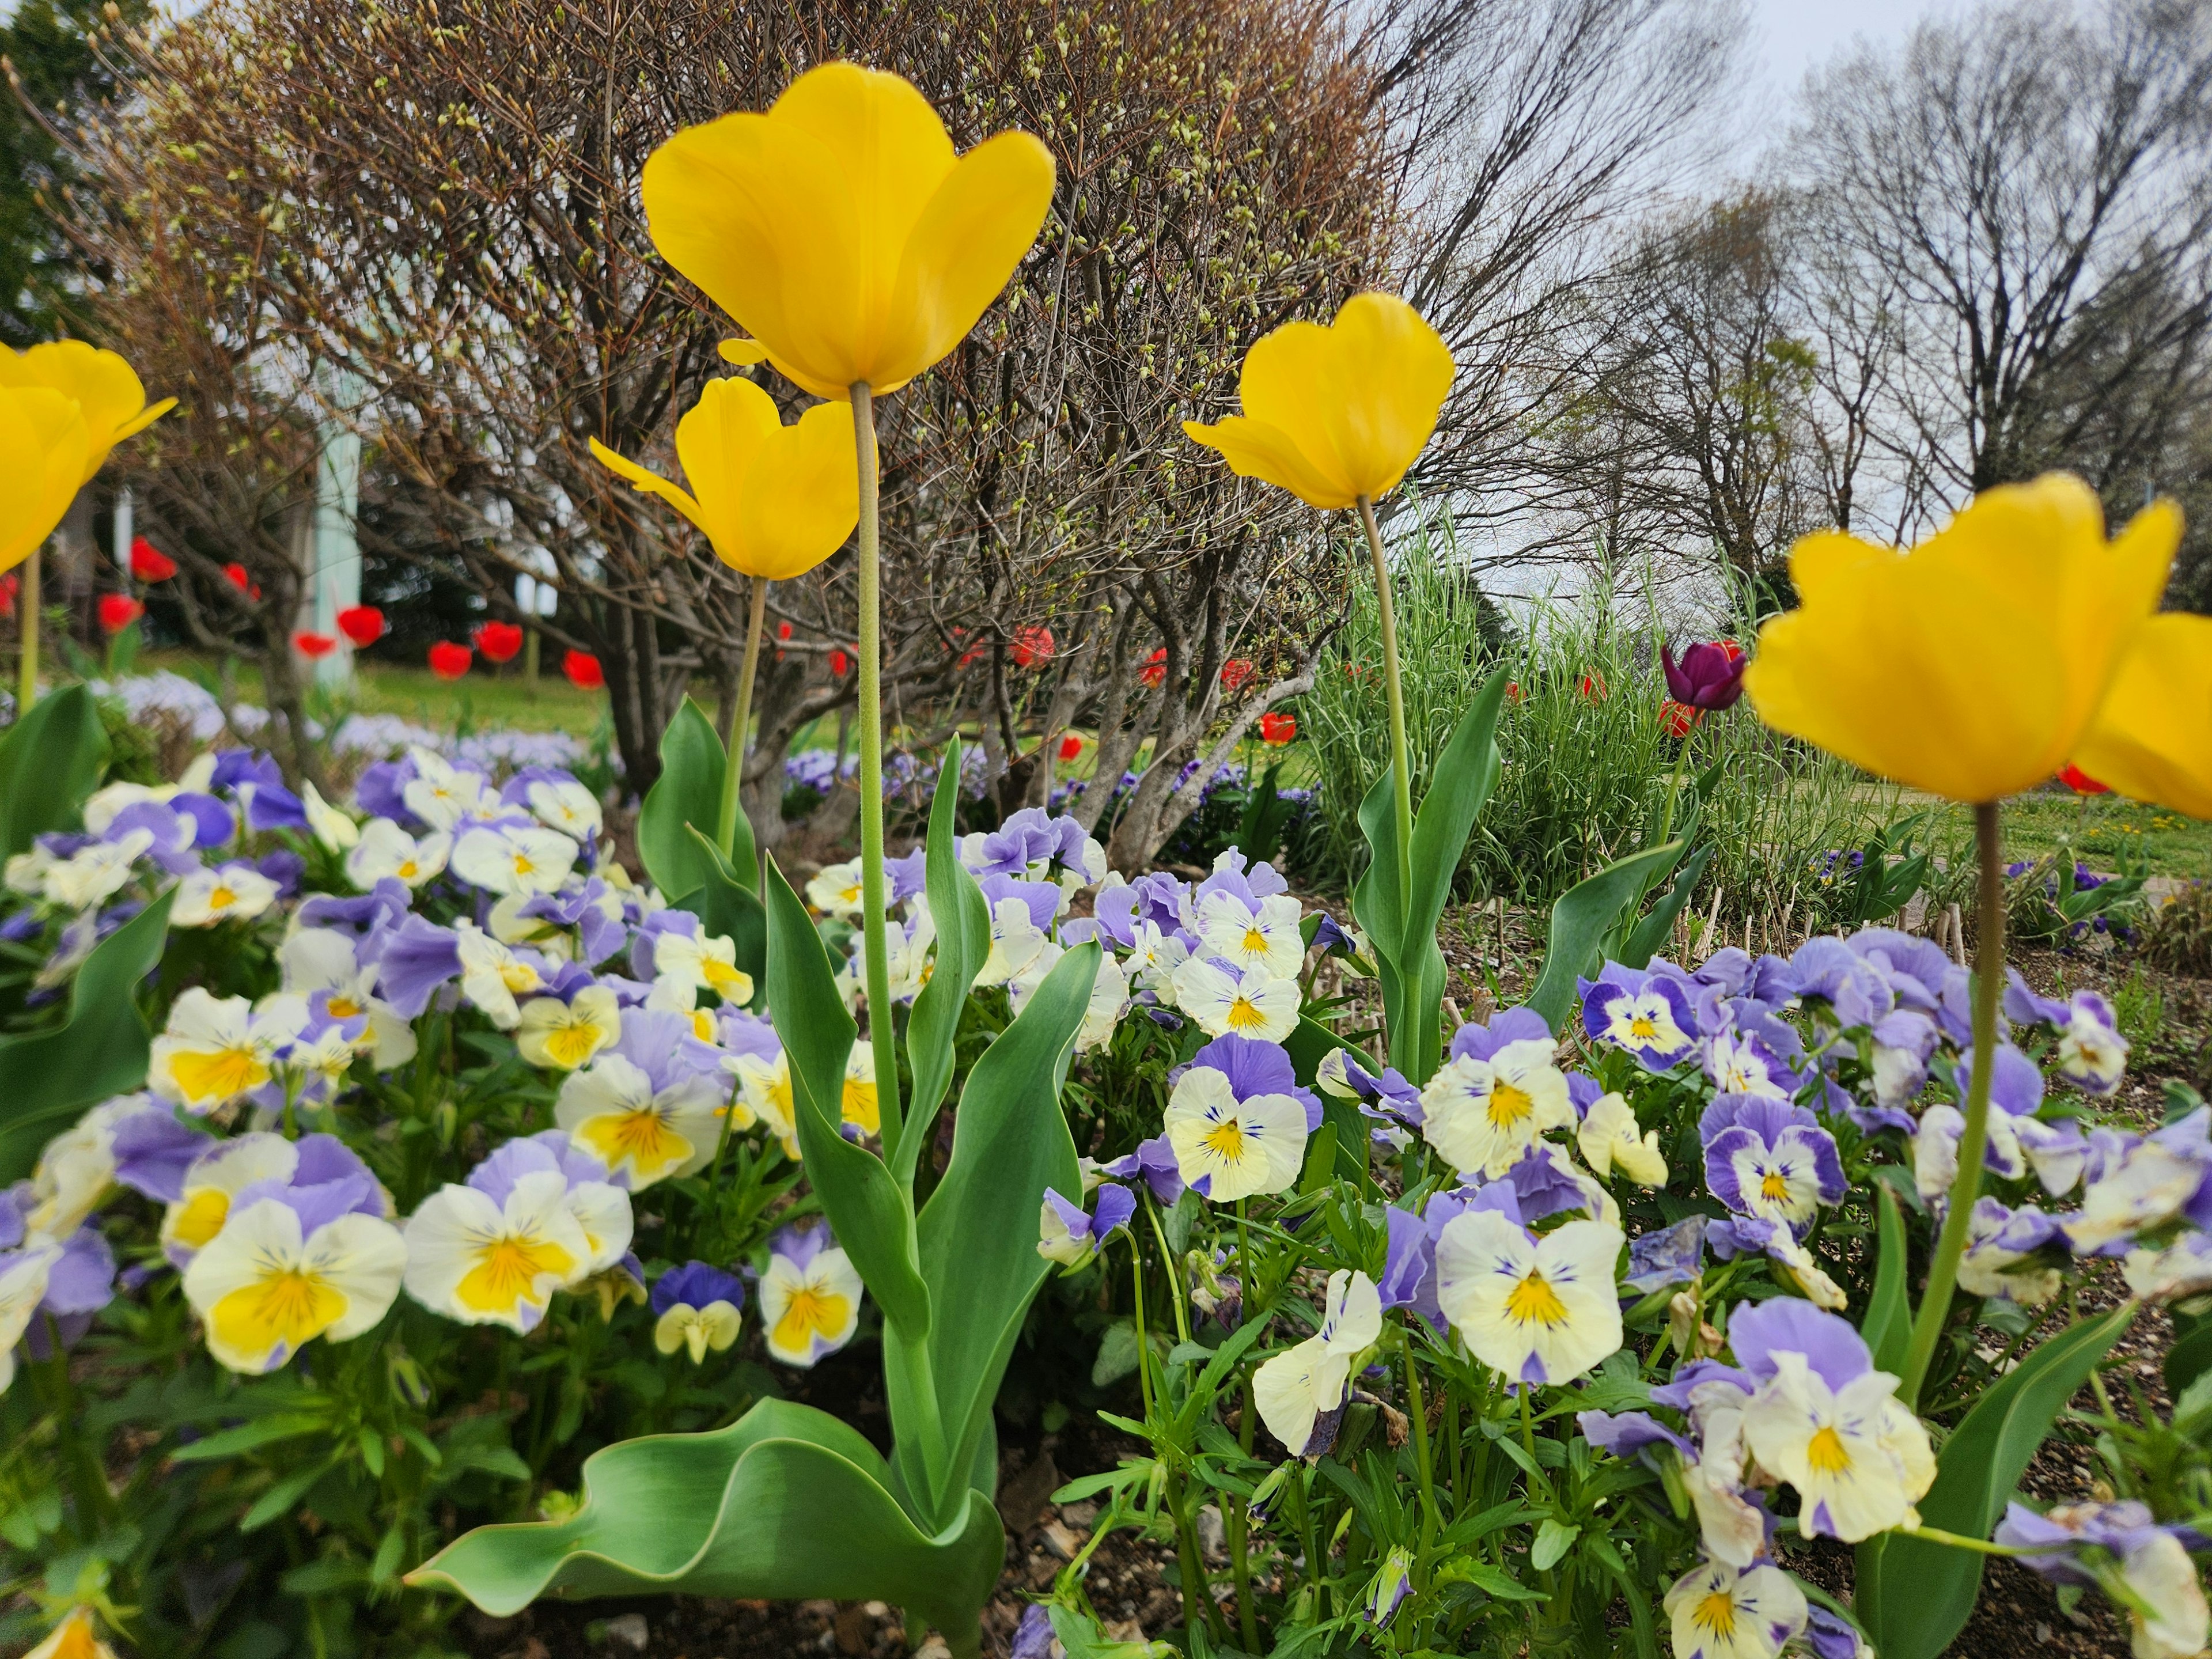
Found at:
[1126, 1582]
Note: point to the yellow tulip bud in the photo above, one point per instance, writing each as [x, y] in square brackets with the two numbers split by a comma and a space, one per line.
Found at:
[43, 445]
[1971, 665]
[2152, 740]
[840, 230]
[73, 1638]
[775, 499]
[1338, 411]
[106, 387]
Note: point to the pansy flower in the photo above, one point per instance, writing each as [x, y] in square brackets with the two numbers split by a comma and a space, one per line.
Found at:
[597, 1197]
[127, 1139]
[213, 1050]
[1609, 1141]
[1747, 1062]
[565, 1034]
[1498, 1091]
[650, 1107]
[1538, 1310]
[2091, 1054]
[2182, 1269]
[764, 1096]
[698, 1308]
[1238, 1121]
[385, 851]
[1264, 936]
[1070, 1235]
[810, 1294]
[2012, 1255]
[234, 892]
[2144, 1567]
[1156, 1164]
[215, 1178]
[860, 1107]
[1721, 1612]
[485, 1260]
[1666, 1256]
[1825, 1420]
[1770, 1164]
[327, 960]
[1738, 1234]
[1297, 1388]
[1644, 1014]
[684, 965]
[557, 800]
[441, 793]
[512, 856]
[493, 974]
[289, 1264]
[1227, 1002]
[834, 889]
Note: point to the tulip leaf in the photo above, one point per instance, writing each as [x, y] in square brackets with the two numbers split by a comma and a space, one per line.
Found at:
[787, 1503]
[51, 760]
[978, 1230]
[1913, 1595]
[1308, 1045]
[872, 1217]
[2191, 1356]
[1888, 1327]
[688, 791]
[1582, 918]
[100, 1049]
[1645, 937]
[725, 903]
[963, 940]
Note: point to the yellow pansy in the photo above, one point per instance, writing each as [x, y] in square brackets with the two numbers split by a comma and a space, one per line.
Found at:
[2152, 740]
[43, 445]
[1335, 412]
[266, 1286]
[106, 390]
[1971, 665]
[775, 499]
[840, 230]
[567, 1034]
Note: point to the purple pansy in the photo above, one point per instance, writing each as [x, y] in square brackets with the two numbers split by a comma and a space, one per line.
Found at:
[1645, 1014]
[1770, 1164]
[696, 1284]
[1666, 1256]
[416, 959]
[1154, 1162]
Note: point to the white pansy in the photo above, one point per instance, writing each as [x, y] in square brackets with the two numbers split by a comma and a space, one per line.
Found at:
[564, 1034]
[1483, 1114]
[1268, 939]
[1237, 1147]
[1225, 1003]
[512, 858]
[387, 850]
[93, 874]
[1015, 942]
[235, 892]
[1538, 1310]
[2183, 1268]
[2147, 1185]
[835, 889]
[441, 794]
[1298, 1385]
[102, 805]
[213, 1050]
[493, 976]
[1858, 1458]
[565, 805]
[483, 1262]
[1609, 1141]
[1152, 961]
[323, 959]
[23, 1277]
[264, 1290]
[764, 1096]
[335, 830]
[2090, 1054]
[683, 965]
[612, 1109]
[507, 924]
[2171, 1621]
[1109, 1000]
[1720, 1612]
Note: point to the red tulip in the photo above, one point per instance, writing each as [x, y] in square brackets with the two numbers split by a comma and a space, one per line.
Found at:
[449, 661]
[1070, 747]
[839, 664]
[1236, 673]
[147, 563]
[8, 586]
[1033, 647]
[118, 611]
[499, 641]
[244, 583]
[1512, 691]
[361, 623]
[1594, 687]
[583, 670]
[1276, 730]
[783, 630]
[1677, 718]
[2082, 783]
[1155, 667]
[314, 647]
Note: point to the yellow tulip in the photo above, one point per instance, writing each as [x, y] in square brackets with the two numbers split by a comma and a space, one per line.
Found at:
[775, 499]
[106, 387]
[43, 445]
[1971, 666]
[840, 230]
[1335, 412]
[2153, 737]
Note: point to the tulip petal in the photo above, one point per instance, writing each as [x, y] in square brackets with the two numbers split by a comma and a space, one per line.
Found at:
[650, 483]
[2152, 740]
[1399, 370]
[43, 449]
[743, 352]
[775, 500]
[1254, 449]
[106, 387]
[964, 248]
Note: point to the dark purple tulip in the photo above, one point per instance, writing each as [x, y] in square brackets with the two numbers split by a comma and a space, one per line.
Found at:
[1710, 675]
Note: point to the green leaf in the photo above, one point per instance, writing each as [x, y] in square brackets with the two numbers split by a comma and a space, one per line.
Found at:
[2191, 1356]
[1552, 1539]
[1888, 1327]
[1645, 937]
[279, 1498]
[725, 903]
[1308, 1045]
[688, 791]
[229, 1443]
[1466, 1569]
[963, 920]
[978, 1230]
[787, 1503]
[1584, 914]
[1913, 1595]
[872, 1213]
[100, 1050]
[51, 760]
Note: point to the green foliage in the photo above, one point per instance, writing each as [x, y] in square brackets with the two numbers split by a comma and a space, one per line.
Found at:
[1584, 914]
[50, 761]
[688, 792]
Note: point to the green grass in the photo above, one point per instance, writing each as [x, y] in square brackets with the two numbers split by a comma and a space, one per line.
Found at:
[2102, 830]
[501, 698]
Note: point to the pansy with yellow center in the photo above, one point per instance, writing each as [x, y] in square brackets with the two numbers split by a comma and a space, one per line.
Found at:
[1496, 1092]
[487, 1260]
[384, 849]
[1263, 936]
[834, 889]
[493, 975]
[235, 892]
[324, 959]
[564, 1034]
[1538, 1310]
[1238, 1121]
[1297, 1388]
[860, 1107]
[810, 1294]
[1721, 1612]
[684, 965]
[764, 1096]
[1609, 1141]
[215, 1049]
[651, 1107]
[213, 1180]
[512, 857]
[441, 793]
[284, 1270]
[699, 1308]
[1646, 1014]
[1227, 1002]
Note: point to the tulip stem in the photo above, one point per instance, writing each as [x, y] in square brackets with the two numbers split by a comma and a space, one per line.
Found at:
[1989, 978]
[733, 763]
[26, 613]
[1401, 761]
[882, 1035]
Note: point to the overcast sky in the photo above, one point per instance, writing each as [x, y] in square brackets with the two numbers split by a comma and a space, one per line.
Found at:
[1792, 36]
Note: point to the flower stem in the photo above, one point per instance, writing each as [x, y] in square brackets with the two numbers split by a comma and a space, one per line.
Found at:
[27, 614]
[733, 763]
[1401, 768]
[1416, 1409]
[882, 1034]
[1989, 977]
